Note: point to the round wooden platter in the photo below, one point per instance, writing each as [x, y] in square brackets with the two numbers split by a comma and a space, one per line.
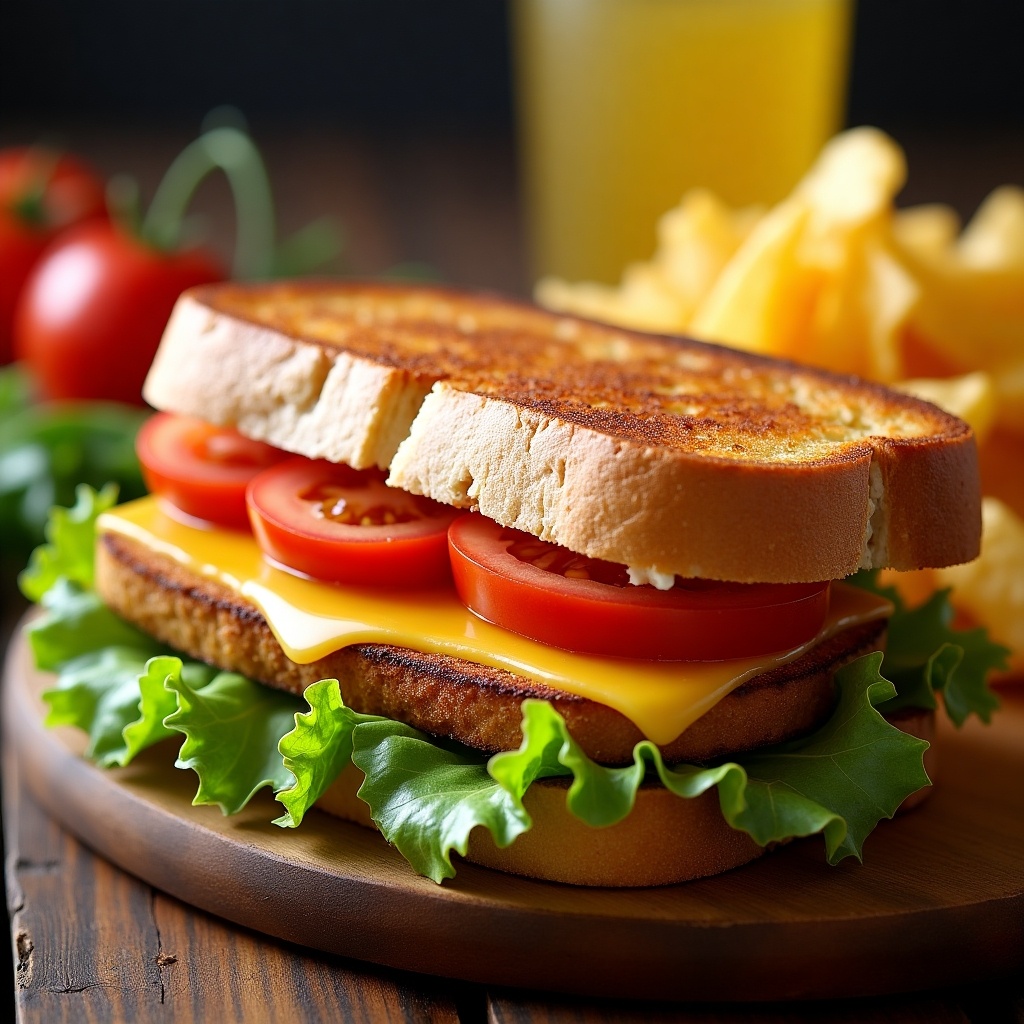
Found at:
[939, 901]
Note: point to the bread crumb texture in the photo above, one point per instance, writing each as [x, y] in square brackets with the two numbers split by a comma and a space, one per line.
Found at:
[649, 450]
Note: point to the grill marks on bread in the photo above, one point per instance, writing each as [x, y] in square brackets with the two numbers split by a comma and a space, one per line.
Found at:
[476, 705]
[430, 382]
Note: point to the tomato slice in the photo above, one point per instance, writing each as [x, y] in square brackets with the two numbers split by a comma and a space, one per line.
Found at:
[347, 526]
[201, 469]
[547, 593]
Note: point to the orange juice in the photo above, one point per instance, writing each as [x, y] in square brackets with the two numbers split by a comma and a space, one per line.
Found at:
[625, 104]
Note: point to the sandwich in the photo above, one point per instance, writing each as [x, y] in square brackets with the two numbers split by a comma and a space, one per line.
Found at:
[558, 597]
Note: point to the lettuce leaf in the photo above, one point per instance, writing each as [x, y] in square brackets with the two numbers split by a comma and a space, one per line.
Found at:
[77, 622]
[110, 676]
[127, 692]
[157, 700]
[69, 551]
[925, 655]
[99, 694]
[839, 780]
[426, 797]
[317, 748]
[232, 728]
[856, 765]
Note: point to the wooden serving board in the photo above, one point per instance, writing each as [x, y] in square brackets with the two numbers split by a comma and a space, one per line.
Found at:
[940, 900]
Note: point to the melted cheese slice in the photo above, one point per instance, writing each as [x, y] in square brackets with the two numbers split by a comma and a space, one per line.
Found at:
[311, 620]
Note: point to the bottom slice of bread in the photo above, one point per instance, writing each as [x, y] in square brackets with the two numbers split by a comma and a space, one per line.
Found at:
[665, 839]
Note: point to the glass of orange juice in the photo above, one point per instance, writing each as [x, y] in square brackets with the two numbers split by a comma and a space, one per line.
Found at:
[625, 104]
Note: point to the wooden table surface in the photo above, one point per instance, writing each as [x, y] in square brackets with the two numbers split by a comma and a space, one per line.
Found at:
[91, 943]
[94, 944]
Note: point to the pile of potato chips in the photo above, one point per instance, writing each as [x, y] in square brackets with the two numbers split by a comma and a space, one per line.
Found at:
[836, 276]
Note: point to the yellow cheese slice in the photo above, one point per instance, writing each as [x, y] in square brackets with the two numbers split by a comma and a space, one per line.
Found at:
[311, 620]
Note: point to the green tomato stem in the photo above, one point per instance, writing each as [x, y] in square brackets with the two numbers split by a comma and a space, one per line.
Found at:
[30, 205]
[234, 153]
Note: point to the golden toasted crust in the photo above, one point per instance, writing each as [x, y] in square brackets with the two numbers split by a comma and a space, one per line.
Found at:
[476, 705]
[652, 451]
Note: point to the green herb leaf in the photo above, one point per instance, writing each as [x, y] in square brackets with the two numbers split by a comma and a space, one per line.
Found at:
[857, 765]
[47, 451]
[426, 798]
[15, 390]
[317, 749]
[232, 728]
[925, 655]
[71, 538]
[99, 694]
[77, 622]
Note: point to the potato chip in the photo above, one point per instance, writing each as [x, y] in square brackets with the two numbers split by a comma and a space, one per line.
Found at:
[643, 306]
[834, 275]
[1009, 382]
[890, 297]
[971, 309]
[854, 180]
[973, 319]
[929, 230]
[994, 239]
[753, 301]
[991, 588]
[834, 334]
[972, 397]
[695, 242]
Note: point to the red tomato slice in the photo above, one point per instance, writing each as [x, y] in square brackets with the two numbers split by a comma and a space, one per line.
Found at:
[347, 526]
[548, 593]
[201, 469]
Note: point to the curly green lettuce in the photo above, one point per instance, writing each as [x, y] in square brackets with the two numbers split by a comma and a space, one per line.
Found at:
[127, 692]
[925, 655]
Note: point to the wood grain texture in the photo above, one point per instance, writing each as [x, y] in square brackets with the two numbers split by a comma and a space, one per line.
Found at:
[93, 944]
[940, 900]
[197, 954]
[1001, 1002]
[914, 1009]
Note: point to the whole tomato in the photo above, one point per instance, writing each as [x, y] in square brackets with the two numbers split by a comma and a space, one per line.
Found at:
[41, 194]
[92, 312]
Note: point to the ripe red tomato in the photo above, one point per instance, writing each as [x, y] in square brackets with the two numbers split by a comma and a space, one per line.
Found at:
[92, 312]
[347, 526]
[41, 194]
[547, 593]
[201, 469]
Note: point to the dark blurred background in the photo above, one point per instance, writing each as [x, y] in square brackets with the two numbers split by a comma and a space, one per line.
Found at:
[410, 62]
[396, 116]
[405, 108]
[920, 68]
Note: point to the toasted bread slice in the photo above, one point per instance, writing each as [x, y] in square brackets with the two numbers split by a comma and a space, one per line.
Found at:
[476, 705]
[656, 452]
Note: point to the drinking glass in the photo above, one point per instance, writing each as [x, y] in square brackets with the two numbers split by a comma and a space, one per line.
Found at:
[625, 104]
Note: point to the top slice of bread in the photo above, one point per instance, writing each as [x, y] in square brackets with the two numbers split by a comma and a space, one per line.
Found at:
[658, 452]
